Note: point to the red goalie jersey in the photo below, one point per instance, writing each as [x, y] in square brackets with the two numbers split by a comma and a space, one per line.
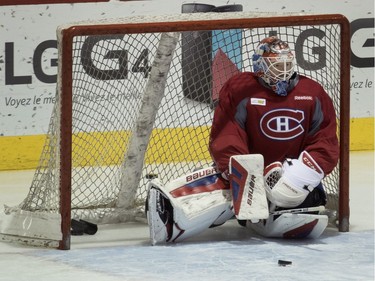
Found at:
[251, 119]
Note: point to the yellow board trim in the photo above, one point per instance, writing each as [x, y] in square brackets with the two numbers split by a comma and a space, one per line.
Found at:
[192, 144]
[362, 134]
[20, 152]
[23, 152]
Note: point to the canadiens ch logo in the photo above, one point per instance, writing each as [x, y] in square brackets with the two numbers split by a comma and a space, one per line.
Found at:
[282, 124]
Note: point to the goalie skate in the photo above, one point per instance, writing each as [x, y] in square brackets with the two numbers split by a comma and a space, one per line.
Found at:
[291, 225]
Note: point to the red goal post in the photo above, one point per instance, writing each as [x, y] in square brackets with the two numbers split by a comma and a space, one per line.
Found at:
[79, 86]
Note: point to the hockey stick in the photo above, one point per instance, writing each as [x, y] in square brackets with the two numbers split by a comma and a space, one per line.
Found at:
[299, 210]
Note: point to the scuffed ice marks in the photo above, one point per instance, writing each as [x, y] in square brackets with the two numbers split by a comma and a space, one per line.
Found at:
[339, 256]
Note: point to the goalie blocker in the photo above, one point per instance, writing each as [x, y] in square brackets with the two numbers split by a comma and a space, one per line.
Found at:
[193, 203]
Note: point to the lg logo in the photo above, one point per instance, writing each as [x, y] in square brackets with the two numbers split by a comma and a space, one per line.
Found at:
[356, 59]
[39, 72]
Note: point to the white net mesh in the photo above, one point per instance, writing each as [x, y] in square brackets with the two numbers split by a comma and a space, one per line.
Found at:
[109, 77]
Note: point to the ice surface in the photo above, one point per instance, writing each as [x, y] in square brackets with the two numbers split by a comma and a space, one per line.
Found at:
[228, 252]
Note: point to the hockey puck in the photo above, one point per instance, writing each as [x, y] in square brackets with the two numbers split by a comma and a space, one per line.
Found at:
[284, 262]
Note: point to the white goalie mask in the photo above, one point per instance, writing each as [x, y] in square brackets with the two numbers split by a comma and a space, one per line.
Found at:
[273, 61]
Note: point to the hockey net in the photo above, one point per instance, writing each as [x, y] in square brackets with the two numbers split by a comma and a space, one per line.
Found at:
[135, 100]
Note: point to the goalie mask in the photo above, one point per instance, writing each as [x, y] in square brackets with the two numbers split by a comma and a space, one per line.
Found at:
[273, 61]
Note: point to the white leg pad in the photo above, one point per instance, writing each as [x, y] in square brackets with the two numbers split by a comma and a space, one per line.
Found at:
[291, 226]
[158, 217]
[187, 206]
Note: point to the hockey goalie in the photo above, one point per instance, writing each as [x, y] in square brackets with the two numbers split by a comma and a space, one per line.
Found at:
[273, 140]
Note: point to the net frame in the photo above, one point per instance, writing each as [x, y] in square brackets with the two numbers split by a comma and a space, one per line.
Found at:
[194, 22]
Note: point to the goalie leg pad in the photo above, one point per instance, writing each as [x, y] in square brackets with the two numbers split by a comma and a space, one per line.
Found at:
[174, 215]
[290, 225]
[159, 216]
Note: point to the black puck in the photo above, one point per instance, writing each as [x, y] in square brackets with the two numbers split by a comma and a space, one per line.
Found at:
[284, 262]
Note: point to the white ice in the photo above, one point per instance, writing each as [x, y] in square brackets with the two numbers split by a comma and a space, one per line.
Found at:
[228, 252]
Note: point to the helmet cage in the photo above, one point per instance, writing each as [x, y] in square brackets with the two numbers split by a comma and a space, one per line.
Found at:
[277, 68]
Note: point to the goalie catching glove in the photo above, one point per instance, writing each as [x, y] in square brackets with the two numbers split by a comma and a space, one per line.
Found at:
[298, 178]
[294, 183]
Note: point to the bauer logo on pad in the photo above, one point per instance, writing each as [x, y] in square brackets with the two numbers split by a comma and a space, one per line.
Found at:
[247, 184]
